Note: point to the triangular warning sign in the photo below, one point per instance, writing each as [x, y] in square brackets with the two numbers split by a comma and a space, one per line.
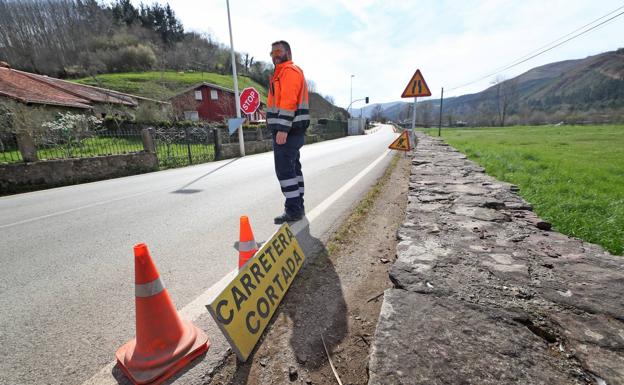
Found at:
[416, 87]
[401, 143]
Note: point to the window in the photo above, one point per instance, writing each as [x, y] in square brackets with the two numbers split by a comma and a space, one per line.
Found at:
[191, 115]
[214, 95]
[198, 95]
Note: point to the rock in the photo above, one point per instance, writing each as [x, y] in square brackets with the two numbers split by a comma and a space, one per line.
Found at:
[384, 260]
[301, 357]
[542, 225]
[459, 343]
[292, 373]
[263, 362]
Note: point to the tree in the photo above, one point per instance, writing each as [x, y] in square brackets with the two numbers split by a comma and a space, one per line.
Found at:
[378, 114]
[424, 113]
[505, 95]
[329, 98]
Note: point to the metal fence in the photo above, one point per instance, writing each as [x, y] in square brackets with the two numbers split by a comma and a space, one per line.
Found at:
[175, 146]
[53, 145]
[9, 152]
[183, 146]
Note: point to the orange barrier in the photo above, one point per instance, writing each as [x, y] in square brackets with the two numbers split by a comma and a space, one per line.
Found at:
[164, 342]
[247, 246]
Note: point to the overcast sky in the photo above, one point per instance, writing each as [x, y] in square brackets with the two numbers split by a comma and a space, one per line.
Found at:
[383, 42]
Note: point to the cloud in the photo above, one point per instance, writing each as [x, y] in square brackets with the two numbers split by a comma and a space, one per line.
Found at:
[384, 42]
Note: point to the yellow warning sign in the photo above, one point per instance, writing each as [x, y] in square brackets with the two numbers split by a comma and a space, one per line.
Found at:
[401, 143]
[416, 87]
[244, 308]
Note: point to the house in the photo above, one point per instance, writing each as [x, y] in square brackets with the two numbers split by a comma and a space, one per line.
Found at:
[55, 95]
[209, 102]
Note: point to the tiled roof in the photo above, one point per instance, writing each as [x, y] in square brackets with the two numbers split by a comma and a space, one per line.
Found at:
[16, 85]
[93, 94]
[32, 88]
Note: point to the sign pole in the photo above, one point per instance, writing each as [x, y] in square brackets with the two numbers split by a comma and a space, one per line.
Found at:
[413, 121]
[441, 104]
[241, 137]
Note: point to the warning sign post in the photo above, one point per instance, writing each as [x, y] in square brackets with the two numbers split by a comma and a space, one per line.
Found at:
[402, 143]
[244, 308]
[416, 87]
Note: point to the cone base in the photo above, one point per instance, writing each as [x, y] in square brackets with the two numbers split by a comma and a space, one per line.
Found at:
[158, 374]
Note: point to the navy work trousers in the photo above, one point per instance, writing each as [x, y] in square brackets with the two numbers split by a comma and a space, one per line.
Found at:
[288, 171]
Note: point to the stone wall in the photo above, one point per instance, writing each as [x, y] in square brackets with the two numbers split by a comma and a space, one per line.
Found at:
[485, 292]
[232, 150]
[21, 177]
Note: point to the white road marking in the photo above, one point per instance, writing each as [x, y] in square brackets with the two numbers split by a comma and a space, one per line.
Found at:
[197, 307]
[76, 209]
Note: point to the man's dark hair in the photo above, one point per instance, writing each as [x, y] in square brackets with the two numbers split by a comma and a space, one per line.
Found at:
[284, 44]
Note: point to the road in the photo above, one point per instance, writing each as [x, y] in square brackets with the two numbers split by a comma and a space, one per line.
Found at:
[67, 277]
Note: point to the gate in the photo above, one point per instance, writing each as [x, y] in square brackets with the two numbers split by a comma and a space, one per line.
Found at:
[183, 146]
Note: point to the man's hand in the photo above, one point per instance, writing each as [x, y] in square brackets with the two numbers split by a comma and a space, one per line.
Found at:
[281, 136]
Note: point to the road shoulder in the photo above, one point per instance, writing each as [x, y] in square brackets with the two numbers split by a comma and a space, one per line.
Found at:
[338, 295]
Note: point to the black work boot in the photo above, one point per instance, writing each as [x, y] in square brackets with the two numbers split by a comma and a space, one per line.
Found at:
[287, 218]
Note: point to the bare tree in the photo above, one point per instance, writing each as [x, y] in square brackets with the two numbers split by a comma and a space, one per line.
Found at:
[378, 114]
[311, 85]
[329, 98]
[505, 95]
[424, 113]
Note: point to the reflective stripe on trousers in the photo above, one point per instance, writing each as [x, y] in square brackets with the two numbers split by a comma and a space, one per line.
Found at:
[288, 171]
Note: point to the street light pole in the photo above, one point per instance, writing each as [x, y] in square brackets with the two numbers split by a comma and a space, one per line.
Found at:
[351, 100]
[241, 138]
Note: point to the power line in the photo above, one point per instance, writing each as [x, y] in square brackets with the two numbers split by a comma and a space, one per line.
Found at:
[564, 36]
[541, 51]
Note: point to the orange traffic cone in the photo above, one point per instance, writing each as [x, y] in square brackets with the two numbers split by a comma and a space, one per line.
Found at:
[247, 246]
[164, 342]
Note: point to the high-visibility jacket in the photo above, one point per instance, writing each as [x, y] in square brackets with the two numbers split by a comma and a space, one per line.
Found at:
[287, 103]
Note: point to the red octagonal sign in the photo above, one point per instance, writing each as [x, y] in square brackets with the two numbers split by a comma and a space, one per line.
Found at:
[249, 100]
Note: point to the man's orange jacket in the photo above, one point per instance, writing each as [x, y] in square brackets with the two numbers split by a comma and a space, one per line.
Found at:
[287, 104]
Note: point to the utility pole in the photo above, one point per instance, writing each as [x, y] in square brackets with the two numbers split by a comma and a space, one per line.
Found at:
[241, 138]
[441, 104]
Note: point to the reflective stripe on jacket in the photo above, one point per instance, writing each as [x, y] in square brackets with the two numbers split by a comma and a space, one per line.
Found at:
[287, 103]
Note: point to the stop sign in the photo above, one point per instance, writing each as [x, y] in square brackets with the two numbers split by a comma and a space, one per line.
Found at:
[249, 100]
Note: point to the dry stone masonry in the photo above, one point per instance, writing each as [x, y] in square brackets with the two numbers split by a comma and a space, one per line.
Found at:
[486, 293]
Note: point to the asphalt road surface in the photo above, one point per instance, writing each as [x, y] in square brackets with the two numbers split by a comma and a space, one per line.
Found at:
[67, 268]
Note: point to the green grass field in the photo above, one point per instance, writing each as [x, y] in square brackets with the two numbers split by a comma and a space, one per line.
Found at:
[573, 175]
[163, 85]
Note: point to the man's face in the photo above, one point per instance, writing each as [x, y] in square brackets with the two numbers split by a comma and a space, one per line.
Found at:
[278, 54]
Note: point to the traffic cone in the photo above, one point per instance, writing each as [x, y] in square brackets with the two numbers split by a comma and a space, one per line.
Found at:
[247, 246]
[164, 342]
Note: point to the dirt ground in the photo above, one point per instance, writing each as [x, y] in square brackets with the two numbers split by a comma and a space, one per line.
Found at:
[338, 295]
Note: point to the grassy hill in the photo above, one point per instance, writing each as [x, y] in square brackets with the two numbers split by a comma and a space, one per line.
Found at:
[165, 84]
[321, 108]
[590, 89]
[596, 82]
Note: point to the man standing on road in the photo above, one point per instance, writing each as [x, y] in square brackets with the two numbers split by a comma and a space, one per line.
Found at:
[288, 117]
